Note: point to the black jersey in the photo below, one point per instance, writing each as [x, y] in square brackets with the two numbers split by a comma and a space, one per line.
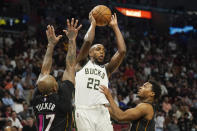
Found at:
[54, 112]
[143, 124]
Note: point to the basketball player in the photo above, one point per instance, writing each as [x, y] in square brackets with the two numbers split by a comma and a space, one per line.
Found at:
[52, 102]
[142, 116]
[91, 114]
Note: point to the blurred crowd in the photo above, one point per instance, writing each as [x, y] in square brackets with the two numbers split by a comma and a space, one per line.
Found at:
[170, 60]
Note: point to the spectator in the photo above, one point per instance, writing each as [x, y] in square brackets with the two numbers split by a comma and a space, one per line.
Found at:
[7, 99]
[159, 121]
[131, 103]
[184, 123]
[2, 120]
[121, 104]
[147, 70]
[17, 85]
[166, 106]
[8, 123]
[17, 106]
[129, 71]
[15, 121]
[172, 126]
[8, 111]
[30, 126]
[164, 91]
[17, 98]
[23, 115]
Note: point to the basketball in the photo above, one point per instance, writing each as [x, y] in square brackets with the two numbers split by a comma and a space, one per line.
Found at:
[102, 14]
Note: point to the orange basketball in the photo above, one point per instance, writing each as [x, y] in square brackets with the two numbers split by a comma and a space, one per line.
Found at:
[102, 15]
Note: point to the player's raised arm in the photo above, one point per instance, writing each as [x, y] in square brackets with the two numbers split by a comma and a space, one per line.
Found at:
[116, 60]
[52, 41]
[139, 111]
[71, 33]
[88, 39]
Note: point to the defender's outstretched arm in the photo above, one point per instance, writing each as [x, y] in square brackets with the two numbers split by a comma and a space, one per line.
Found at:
[71, 33]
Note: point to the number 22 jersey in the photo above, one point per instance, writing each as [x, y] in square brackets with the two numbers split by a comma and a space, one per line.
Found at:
[87, 82]
[54, 112]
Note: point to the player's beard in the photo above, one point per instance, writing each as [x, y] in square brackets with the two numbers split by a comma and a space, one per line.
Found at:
[97, 62]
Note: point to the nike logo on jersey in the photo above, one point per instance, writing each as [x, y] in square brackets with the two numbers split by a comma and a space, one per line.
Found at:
[44, 106]
[95, 72]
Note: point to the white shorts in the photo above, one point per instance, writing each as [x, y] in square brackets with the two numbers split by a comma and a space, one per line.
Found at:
[94, 118]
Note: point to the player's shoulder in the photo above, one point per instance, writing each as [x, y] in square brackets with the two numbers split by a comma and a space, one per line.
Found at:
[145, 107]
[145, 104]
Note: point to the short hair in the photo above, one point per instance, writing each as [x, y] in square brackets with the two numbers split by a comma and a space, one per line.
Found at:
[156, 89]
[93, 47]
[29, 118]
[46, 84]
[13, 112]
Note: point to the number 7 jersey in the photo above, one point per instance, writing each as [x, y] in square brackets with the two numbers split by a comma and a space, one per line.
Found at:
[88, 80]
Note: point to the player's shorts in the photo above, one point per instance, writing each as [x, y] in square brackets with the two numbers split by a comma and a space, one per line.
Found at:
[94, 118]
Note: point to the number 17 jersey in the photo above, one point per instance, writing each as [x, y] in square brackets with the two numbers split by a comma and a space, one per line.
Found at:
[54, 112]
[87, 82]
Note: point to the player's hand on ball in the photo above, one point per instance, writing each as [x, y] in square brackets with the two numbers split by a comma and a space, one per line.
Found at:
[52, 38]
[113, 21]
[105, 91]
[72, 30]
[92, 20]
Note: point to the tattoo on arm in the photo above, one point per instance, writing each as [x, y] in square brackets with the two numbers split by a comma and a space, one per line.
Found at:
[119, 55]
[47, 62]
[71, 55]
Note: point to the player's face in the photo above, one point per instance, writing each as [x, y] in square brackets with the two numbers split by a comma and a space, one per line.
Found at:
[30, 121]
[99, 52]
[25, 107]
[145, 90]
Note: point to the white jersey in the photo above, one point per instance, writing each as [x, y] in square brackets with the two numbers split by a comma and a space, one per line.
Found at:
[88, 80]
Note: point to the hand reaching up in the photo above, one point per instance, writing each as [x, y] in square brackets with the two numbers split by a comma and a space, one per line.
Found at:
[113, 21]
[92, 20]
[52, 38]
[72, 30]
